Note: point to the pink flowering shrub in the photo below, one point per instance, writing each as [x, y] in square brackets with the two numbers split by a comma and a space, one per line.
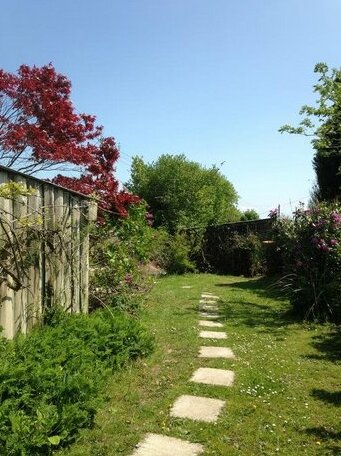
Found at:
[310, 245]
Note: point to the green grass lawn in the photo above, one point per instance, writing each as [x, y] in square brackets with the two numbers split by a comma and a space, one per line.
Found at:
[286, 396]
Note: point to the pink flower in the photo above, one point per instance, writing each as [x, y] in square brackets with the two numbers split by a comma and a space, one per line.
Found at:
[336, 218]
[324, 247]
[273, 213]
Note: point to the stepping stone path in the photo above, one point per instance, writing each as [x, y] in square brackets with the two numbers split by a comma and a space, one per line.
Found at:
[159, 445]
[209, 296]
[204, 301]
[209, 376]
[195, 408]
[210, 324]
[207, 315]
[209, 308]
[216, 352]
[212, 335]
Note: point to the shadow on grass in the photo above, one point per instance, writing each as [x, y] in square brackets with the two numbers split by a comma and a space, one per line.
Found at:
[263, 287]
[329, 345]
[245, 310]
[327, 396]
[328, 436]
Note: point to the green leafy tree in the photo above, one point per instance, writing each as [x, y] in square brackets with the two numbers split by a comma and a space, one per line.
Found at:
[249, 214]
[323, 124]
[182, 193]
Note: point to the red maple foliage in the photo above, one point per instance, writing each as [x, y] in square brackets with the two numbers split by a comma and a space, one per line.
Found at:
[40, 130]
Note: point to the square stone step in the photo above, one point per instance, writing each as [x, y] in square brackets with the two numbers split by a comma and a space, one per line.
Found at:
[197, 408]
[213, 334]
[209, 376]
[209, 315]
[205, 301]
[210, 324]
[209, 296]
[216, 352]
[161, 445]
[207, 308]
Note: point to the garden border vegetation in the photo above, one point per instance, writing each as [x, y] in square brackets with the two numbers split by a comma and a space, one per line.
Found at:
[51, 380]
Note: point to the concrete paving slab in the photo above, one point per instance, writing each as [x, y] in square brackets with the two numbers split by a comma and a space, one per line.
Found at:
[208, 311]
[213, 334]
[161, 445]
[210, 324]
[208, 308]
[206, 301]
[197, 408]
[209, 296]
[216, 352]
[209, 315]
[209, 376]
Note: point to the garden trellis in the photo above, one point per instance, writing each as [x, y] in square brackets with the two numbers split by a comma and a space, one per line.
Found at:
[44, 249]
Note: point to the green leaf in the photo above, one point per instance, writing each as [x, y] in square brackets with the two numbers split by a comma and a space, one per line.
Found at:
[54, 439]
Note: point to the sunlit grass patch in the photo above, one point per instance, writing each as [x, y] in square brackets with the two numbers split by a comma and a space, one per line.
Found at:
[287, 387]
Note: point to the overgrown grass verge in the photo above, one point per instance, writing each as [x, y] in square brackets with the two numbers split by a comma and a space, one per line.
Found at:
[51, 381]
[287, 385]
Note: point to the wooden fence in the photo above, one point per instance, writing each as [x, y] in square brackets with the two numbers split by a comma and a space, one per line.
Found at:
[218, 250]
[44, 249]
[262, 227]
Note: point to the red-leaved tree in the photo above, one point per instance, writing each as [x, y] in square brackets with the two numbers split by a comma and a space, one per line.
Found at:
[41, 131]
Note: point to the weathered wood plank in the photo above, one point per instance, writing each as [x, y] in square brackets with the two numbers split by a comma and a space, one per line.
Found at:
[59, 254]
[6, 293]
[89, 211]
[35, 220]
[49, 244]
[67, 232]
[21, 296]
[75, 247]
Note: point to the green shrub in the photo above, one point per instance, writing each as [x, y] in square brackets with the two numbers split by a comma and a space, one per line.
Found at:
[310, 245]
[127, 302]
[172, 252]
[117, 249]
[247, 254]
[50, 380]
[232, 253]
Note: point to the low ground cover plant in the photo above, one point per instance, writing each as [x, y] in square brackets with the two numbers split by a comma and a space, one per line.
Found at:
[310, 245]
[51, 380]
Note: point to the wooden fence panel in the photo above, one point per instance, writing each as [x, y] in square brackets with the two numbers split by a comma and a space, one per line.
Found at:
[6, 293]
[53, 225]
[75, 254]
[88, 213]
[34, 297]
[20, 296]
[68, 275]
[58, 253]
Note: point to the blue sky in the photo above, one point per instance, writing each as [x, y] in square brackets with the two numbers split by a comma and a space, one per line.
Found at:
[211, 79]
